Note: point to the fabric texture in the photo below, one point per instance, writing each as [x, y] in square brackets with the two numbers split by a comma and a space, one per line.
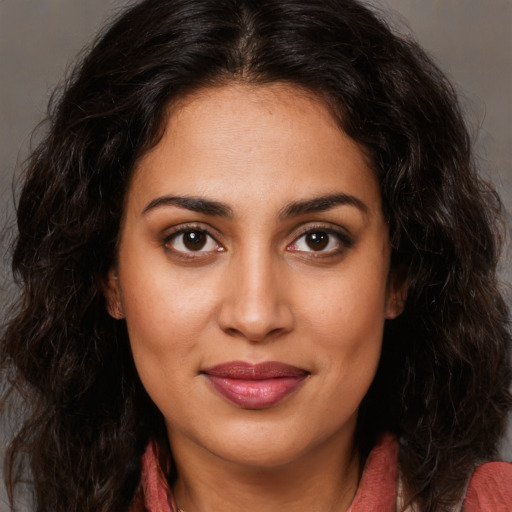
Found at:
[490, 488]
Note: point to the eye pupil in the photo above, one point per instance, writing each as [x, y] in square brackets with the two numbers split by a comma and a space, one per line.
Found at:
[317, 241]
[194, 240]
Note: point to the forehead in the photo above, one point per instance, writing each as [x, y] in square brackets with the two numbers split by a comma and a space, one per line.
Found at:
[238, 141]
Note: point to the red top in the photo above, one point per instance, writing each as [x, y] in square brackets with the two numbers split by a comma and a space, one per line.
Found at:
[490, 488]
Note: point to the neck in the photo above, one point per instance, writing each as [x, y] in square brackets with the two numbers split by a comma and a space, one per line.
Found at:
[324, 480]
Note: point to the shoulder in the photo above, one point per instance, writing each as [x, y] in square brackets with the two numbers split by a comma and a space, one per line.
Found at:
[490, 489]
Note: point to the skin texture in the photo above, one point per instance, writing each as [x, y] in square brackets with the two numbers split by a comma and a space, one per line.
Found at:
[256, 291]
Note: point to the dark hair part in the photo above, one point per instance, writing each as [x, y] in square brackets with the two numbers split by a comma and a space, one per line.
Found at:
[442, 384]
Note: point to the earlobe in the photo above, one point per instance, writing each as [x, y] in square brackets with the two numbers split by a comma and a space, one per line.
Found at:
[397, 295]
[112, 295]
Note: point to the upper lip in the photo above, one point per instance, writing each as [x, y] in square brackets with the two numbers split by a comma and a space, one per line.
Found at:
[249, 371]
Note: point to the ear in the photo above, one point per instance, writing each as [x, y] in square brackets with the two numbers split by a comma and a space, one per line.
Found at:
[112, 294]
[396, 295]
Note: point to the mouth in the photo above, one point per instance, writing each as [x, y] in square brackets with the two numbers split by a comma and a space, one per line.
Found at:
[255, 386]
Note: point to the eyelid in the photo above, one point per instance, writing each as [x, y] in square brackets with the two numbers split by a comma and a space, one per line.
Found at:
[346, 240]
[184, 228]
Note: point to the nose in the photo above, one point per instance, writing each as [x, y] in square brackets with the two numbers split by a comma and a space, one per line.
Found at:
[255, 303]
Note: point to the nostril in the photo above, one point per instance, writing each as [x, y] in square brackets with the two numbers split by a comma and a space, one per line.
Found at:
[255, 337]
[256, 312]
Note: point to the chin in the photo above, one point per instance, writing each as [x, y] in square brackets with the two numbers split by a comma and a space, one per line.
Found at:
[261, 457]
[267, 446]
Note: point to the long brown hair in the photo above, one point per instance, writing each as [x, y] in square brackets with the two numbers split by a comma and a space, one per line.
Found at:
[442, 385]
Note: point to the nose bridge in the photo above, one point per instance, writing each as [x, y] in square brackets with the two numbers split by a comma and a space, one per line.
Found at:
[256, 306]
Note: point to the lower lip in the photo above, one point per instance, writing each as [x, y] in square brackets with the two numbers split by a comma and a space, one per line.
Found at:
[255, 394]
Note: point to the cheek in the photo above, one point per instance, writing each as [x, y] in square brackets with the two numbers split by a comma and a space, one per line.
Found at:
[351, 340]
[164, 329]
[166, 314]
[348, 305]
[345, 318]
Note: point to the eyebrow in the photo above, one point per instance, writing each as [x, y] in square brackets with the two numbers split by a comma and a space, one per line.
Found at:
[196, 204]
[294, 209]
[321, 204]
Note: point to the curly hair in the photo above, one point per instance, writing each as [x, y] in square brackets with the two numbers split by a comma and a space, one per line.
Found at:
[442, 383]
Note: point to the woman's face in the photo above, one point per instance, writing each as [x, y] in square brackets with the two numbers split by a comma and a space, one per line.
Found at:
[253, 274]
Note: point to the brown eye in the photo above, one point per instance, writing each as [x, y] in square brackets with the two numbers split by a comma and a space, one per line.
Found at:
[194, 240]
[317, 241]
[326, 242]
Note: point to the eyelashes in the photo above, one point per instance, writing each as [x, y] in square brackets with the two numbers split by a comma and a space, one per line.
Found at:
[191, 241]
[196, 241]
[321, 240]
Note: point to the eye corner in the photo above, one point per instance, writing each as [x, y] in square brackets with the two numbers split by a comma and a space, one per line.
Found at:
[199, 244]
[324, 241]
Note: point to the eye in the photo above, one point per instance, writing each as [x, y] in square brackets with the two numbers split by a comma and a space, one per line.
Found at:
[321, 241]
[192, 240]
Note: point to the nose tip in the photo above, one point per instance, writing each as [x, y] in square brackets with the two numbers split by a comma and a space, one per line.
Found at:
[255, 307]
[257, 327]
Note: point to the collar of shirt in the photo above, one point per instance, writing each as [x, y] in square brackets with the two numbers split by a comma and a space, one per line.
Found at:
[377, 488]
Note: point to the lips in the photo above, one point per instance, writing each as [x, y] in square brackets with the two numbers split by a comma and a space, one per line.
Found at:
[255, 386]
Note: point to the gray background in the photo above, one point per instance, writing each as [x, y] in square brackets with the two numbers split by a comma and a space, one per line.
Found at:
[470, 39]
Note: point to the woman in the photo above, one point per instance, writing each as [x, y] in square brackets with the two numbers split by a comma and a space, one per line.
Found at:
[258, 273]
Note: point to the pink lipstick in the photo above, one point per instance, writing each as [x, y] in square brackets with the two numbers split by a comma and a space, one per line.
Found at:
[255, 386]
